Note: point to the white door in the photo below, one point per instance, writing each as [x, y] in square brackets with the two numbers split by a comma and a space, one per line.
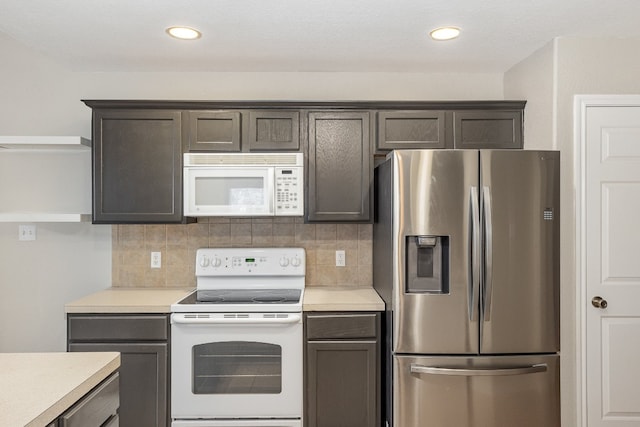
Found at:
[611, 264]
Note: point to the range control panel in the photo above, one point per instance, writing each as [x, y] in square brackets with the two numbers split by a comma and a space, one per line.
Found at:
[212, 262]
[289, 191]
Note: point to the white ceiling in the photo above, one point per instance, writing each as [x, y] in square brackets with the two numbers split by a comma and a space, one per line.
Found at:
[307, 35]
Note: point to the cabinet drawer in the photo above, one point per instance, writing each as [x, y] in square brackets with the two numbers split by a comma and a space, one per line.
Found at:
[99, 406]
[116, 328]
[341, 326]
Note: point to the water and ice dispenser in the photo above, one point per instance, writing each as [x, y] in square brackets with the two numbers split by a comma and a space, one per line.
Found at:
[427, 264]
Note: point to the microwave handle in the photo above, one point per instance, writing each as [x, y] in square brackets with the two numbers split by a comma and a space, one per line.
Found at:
[270, 190]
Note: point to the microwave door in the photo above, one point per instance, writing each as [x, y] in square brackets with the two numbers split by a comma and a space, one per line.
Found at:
[229, 191]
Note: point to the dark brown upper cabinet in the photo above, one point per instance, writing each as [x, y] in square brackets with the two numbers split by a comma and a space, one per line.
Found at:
[213, 130]
[471, 125]
[138, 146]
[487, 129]
[339, 167]
[240, 131]
[410, 129]
[274, 130]
[137, 166]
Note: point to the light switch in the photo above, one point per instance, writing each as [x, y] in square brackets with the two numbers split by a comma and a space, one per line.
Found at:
[27, 232]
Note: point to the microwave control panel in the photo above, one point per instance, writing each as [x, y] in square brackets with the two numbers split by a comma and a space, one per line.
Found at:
[289, 191]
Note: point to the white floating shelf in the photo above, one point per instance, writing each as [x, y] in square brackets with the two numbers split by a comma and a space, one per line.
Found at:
[45, 179]
[44, 217]
[44, 143]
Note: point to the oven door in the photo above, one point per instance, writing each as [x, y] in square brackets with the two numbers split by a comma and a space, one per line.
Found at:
[246, 365]
[228, 191]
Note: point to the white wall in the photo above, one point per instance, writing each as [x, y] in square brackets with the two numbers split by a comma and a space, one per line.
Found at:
[533, 80]
[37, 278]
[40, 97]
[580, 66]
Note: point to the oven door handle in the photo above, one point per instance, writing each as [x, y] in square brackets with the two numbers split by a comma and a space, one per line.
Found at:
[204, 320]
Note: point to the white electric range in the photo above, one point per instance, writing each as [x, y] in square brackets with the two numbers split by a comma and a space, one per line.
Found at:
[236, 342]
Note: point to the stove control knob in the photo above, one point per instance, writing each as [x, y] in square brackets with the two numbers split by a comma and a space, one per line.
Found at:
[216, 262]
[284, 261]
[295, 262]
[204, 262]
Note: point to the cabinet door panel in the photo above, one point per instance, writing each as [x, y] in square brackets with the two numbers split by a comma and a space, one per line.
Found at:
[143, 381]
[410, 130]
[487, 129]
[213, 130]
[341, 381]
[137, 166]
[339, 170]
[274, 130]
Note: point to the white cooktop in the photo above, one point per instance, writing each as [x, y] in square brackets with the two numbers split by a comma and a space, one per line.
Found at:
[247, 280]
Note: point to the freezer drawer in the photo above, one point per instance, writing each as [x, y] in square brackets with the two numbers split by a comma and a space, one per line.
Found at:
[457, 391]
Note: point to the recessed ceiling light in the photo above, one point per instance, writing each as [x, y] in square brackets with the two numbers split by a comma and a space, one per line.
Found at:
[184, 33]
[445, 33]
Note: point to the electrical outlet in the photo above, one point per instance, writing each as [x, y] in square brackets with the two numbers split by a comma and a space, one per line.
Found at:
[156, 259]
[27, 232]
[341, 260]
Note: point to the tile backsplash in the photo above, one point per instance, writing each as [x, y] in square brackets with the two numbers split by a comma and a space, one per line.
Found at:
[133, 244]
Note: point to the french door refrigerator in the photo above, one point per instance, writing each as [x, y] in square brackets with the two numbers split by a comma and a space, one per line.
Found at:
[466, 257]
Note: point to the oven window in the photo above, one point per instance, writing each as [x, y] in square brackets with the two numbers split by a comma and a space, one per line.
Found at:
[233, 367]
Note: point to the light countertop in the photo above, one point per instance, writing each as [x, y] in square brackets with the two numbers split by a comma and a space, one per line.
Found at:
[36, 388]
[341, 299]
[157, 300]
[128, 300]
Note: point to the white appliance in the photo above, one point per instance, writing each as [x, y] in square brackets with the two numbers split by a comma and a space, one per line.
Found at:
[237, 341]
[243, 184]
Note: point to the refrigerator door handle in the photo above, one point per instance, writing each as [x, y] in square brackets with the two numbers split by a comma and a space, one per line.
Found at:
[488, 253]
[518, 370]
[474, 265]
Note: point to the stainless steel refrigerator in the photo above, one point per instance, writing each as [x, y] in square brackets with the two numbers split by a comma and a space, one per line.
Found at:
[466, 257]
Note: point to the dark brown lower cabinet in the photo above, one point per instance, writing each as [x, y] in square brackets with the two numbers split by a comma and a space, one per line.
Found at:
[98, 408]
[142, 341]
[342, 369]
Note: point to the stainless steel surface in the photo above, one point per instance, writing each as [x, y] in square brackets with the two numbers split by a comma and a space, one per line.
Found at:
[599, 302]
[501, 239]
[426, 196]
[483, 354]
[525, 400]
[525, 270]
[474, 272]
[491, 372]
[488, 253]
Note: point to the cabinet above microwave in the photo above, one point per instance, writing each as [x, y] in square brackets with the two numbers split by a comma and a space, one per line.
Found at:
[45, 179]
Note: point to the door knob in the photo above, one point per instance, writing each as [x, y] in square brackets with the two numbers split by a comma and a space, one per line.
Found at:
[599, 302]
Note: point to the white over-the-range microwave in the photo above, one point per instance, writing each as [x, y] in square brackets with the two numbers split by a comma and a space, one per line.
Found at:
[243, 184]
